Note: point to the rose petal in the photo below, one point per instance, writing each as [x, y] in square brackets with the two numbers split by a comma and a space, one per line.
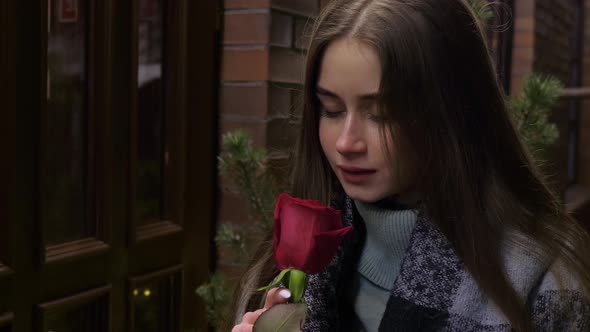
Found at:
[306, 234]
[325, 246]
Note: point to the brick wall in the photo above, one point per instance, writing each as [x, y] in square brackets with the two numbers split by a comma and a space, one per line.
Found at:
[555, 52]
[544, 43]
[262, 72]
[554, 37]
[523, 50]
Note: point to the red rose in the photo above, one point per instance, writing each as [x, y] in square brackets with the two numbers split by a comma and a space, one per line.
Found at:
[306, 234]
[306, 237]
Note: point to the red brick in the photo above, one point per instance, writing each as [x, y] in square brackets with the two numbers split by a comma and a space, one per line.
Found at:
[226, 183]
[524, 24]
[524, 39]
[516, 83]
[244, 64]
[524, 8]
[279, 167]
[232, 272]
[233, 208]
[281, 31]
[522, 67]
[555, 23]
[242, 4]
[246, 28]
[280, 135]
[286, 65]
[279, 102]
[259, 86]
[257, 130]
[302, 32]
[299, 7]
[297, 102]
[523, 54]
[245, 100]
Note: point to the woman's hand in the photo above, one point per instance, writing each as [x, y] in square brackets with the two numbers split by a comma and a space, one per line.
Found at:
[274, 296]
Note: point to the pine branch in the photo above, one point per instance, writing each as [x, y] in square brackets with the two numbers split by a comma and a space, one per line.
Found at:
[245, 166]
[531, 111]
[482, 9]
[217, 296]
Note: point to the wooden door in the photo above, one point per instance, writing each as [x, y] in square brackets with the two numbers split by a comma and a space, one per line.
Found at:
[110, 167]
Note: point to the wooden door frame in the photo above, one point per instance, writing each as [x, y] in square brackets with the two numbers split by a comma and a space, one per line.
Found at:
[26, 249]
[34, 274]
[7, 127]
[203, 53]
[8, 148]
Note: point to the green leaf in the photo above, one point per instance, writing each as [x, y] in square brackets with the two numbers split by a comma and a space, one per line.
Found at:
[297, 284]
[277, 280]
[282, 317]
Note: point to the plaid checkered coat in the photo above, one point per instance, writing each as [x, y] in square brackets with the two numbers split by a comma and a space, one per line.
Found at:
[434, 292]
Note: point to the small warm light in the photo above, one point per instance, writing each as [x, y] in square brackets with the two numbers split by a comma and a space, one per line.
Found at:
[135, 292]
[147, 292]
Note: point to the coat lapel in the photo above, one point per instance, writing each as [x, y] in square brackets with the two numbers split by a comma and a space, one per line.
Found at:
[429, 278]
[326, 290]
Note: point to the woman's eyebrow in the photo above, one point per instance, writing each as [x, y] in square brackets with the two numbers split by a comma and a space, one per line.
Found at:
[325, 92]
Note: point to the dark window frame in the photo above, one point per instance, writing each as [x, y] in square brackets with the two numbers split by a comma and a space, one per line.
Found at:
[173, 316]
[174, 24]
[74, 301]
[97, 69]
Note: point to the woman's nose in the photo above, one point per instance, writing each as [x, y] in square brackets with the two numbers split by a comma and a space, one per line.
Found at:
[351, 139]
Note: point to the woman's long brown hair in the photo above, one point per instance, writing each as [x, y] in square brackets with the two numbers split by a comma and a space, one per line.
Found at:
[442, 98]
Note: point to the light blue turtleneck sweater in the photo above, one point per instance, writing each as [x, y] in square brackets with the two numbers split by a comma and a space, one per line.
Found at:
[388, 235]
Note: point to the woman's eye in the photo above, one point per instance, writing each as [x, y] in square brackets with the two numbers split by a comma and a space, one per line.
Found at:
[330, 113]
[376, 117]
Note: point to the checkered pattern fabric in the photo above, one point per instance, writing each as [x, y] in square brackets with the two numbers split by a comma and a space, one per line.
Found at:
[434, 292]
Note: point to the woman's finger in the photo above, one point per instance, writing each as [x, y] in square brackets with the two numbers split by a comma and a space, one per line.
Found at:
[243, 328]
[251, 317]
[276, 296]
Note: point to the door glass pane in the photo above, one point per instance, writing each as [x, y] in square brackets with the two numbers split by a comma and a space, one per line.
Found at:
[91, 317]
[151, 154]
[64, 132]
[156, 305]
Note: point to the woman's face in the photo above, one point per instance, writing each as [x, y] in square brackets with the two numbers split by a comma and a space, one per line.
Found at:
[351, 124]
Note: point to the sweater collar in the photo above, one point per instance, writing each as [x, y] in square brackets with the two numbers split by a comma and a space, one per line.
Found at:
[388, 231]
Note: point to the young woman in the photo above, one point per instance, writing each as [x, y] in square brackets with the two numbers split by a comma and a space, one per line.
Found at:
[405, 129]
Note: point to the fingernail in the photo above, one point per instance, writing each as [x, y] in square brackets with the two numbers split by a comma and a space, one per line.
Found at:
[285, 293]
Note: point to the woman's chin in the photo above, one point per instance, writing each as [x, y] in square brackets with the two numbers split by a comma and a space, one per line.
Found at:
[365, 196]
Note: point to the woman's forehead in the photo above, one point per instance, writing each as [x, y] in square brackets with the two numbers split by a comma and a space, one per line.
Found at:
[350, 68]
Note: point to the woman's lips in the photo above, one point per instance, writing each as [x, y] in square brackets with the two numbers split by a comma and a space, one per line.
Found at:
[356, 175]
